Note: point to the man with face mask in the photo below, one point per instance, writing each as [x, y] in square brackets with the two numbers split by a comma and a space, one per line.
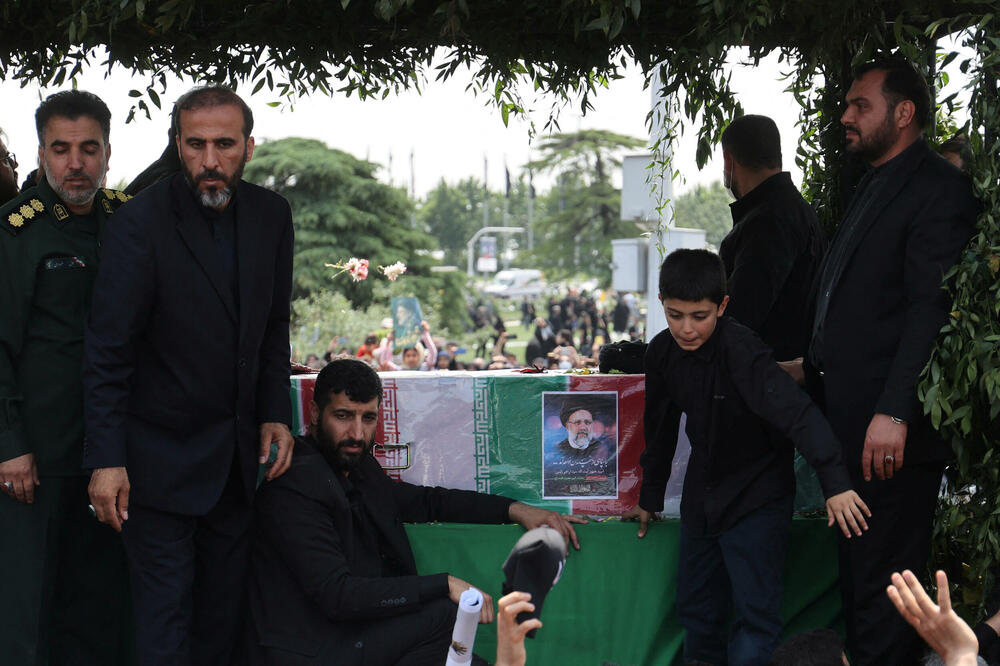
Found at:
[879, 307]
[775, 246]
[63, 574]
[333, 579]
[187, 364]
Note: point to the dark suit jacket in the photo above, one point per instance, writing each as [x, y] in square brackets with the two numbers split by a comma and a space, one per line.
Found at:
[178, 374]
[888, 306]
[306, 597]
[771, 256]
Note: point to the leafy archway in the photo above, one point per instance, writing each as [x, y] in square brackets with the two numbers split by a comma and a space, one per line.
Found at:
[568, 50]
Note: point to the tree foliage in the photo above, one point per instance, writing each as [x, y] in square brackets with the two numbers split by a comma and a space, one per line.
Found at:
[340, 210]
[705, 207]
[569, 50]
[453, 213]
[582, 211]
[961, 384]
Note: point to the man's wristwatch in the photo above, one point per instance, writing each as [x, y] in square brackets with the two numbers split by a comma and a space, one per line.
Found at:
[897, 420]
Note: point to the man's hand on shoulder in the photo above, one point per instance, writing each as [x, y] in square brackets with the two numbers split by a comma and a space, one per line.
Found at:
[531, 517]
[884, 444]
[108, 490]
[18, 478]
[280, 434]
[455, 588]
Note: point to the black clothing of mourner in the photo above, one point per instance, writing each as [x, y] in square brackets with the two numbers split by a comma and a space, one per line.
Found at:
[333, 579]
[771, 257]
[222, 226]
[736, 398]
[879, 308]
[186, 355]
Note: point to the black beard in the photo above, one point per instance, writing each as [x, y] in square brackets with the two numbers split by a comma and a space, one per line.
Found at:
[333, 450]
[878, 143]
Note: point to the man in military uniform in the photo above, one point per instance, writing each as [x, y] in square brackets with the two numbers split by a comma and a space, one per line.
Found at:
[64, 574]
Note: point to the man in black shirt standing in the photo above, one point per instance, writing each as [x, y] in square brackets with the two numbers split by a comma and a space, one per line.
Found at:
[333, 578]
[775, 246]
[737, 501]
[879, 308]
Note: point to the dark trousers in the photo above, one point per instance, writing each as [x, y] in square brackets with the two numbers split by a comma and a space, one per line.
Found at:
[738, 571]
[64, 597]
[898, 538]
[189, 580]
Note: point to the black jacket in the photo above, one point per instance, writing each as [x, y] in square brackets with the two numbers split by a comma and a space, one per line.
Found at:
[178, 374]
[887, 306]
[306, 596]
[771, 257]
[737, 401]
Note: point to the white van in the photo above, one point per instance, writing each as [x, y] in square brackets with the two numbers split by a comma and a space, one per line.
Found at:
[516, 282]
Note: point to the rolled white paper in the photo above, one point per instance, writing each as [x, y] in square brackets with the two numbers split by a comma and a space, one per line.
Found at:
[463, 637]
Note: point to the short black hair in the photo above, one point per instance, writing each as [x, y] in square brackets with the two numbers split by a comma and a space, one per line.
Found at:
[902, 81]
[693, 275]
[958, 144]
[817, 647]
[754, 142]
[209, 96]
[347, 375]
[72, 104]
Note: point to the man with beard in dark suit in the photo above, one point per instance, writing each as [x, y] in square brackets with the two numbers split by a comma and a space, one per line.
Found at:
[186, 378]
[878, 310]
[333, 579]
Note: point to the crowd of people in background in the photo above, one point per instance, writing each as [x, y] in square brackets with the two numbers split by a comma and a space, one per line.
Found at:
[568, 332]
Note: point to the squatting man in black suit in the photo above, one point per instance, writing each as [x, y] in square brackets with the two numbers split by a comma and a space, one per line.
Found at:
[186, 380]
[333, 579]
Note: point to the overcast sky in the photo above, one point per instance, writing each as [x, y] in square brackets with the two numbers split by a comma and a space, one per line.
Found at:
[448, 130]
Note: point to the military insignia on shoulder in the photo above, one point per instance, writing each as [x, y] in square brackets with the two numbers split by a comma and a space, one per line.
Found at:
[113, 199]
[60, 211]
[21, 215]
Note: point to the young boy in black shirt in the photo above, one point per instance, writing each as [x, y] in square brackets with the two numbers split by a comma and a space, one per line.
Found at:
[737, 501]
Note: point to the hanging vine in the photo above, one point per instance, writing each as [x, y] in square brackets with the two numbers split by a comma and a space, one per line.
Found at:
[961, 386]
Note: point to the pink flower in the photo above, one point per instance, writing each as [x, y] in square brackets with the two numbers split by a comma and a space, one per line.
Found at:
[393, 271]
[360, 269]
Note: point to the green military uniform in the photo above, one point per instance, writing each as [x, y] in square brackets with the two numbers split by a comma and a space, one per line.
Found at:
[62, 573]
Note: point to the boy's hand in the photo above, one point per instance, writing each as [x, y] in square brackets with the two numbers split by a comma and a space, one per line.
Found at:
[645, 517]
[849, 511]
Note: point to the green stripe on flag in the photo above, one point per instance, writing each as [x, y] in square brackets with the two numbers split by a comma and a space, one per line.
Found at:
[512, 407]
